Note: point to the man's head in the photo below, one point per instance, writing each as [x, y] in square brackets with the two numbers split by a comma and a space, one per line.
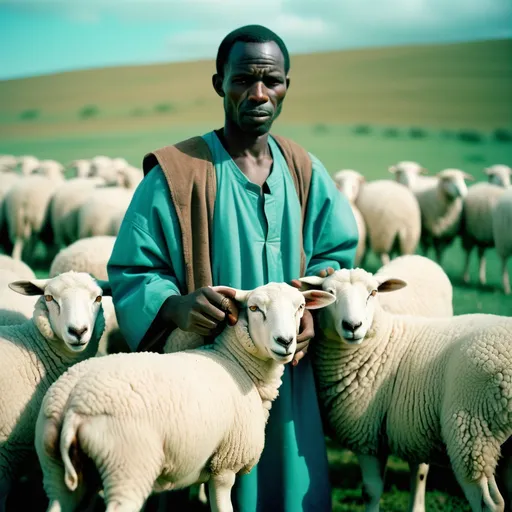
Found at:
[252, 77]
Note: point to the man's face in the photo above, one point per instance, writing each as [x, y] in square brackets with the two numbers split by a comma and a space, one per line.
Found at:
[254, 86]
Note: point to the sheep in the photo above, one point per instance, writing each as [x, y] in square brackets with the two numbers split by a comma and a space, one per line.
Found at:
[26, 205]
[81, 168]
[14, 308]
[441, 210]
[66, 203]
[392, 215]
[21, 269]
[410, 174]
[476, 229]
[102, 212]
[91, 255]
[429, 291]
[129, 177]
[8, 163]
[226, 388]
[499, 175]
[420, 388]
[501, 222]
[348, 183]
[50, 168]
[28, 164]
[7, 180]
[66, 325]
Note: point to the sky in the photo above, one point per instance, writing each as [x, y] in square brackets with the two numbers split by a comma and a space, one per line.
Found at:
[48, 36]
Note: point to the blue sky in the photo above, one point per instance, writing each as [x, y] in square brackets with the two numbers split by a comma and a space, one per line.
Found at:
[47, 36]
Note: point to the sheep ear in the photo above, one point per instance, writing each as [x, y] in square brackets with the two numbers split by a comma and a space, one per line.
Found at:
[311, 282]
[390, 284]
[105, 287]
[33, 287]
[487, 171]
[423, 170]
[233, 293]
[392, 169]
[468, 176]
[316, 299]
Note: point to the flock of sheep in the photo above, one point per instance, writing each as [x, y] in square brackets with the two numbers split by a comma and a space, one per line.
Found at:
[397, 372]
[431, 212]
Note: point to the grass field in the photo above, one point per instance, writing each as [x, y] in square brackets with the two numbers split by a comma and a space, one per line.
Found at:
[352, 109]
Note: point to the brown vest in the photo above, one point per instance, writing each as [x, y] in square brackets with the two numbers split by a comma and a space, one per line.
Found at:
[190, 173]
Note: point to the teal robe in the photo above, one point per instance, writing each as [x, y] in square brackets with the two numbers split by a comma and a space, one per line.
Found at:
[255, 241]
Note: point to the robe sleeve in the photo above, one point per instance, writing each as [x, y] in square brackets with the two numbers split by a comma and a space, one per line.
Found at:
[147, 259]
[330, 229]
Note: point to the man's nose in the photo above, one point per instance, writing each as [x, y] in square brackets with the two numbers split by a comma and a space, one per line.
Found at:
[258, 92]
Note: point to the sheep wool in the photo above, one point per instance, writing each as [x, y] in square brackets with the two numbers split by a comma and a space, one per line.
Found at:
[423, 387]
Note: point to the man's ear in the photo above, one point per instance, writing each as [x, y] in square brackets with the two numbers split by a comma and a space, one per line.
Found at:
[217, 81]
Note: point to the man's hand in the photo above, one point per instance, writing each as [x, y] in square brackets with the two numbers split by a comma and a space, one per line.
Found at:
[306, 333]
[203, 311]
[307, 327]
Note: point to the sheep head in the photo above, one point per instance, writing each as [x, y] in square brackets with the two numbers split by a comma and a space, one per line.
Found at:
[452, 184]
[499, 175]
[407, 173]
[348, 183]
[271, 314]
[72, 301]
[351, 315]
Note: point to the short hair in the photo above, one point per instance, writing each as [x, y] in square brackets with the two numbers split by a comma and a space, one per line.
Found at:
[249, 34]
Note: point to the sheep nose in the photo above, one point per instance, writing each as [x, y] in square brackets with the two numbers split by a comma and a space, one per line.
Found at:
[349, 326]
[78, 333]
[284, 342]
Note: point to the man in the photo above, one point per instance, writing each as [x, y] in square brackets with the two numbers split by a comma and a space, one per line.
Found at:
[253, 236]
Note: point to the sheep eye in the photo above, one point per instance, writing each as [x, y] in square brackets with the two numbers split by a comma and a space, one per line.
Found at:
[254, 308]
[48, 298]
[373, 293]
[98, 299]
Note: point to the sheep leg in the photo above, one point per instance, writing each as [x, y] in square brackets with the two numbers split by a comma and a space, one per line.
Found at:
[481, 268]
[504, 276]
[384, 258]
[373, 469]
[17, 249]
[418, 486]
[219, 487]
[479, 496]
[202, 494]
[466, 266]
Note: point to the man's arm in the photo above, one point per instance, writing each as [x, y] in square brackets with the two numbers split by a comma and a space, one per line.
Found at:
[146, 265]
[330, 228]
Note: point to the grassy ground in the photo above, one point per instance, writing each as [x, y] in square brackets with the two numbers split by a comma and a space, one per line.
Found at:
[352, 109]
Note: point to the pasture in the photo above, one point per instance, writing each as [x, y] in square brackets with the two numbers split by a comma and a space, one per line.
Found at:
[362, 110]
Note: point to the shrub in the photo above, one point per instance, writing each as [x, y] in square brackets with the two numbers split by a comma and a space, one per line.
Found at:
[470, 136]
[89, 111]
[390, 133]
[417, 133]
[362, 129]
[503, 135]
[320, 128]
[164, 108]
[28, 115]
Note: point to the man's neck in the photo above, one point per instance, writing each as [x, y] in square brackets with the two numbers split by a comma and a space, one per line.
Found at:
[239, 144]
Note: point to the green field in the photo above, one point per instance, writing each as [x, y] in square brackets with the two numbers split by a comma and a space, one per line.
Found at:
[352, 109]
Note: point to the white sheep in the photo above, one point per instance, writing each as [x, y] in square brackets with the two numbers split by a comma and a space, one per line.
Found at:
[423, 388]
[7, 180]
[81, 168]
[411, 174]
[8, 163]
[429, 291]
[91, 255]
[392, 217]
[65, 328]
[441, 210]
[65, 204]
[155, 422]
[499, 175]
[28, 164]
[476, 229]
[26, 206]
[103, 211]
[51, 169]
[14, 308]
[21, 269]
[348, 183]
[502, 234]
